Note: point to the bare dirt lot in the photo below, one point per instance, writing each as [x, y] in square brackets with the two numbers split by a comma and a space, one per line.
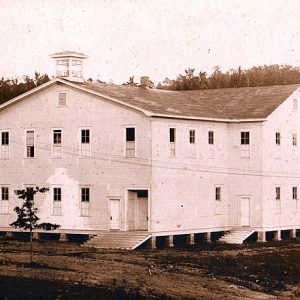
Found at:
[64, 270]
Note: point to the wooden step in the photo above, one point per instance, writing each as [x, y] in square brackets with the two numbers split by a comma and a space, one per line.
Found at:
[128, 240]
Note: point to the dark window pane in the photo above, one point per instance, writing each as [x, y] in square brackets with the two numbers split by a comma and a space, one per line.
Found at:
[85, 136]
[172, 135]
[130, 134]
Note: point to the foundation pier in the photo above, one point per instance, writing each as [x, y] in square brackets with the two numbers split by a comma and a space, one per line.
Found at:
[9, 234]
[277, 235]
[170, 243]
[191, 239]
[152, 242]
[35, 235]
[207, 237]
[293, 233]
[63, 237]
[261, 237]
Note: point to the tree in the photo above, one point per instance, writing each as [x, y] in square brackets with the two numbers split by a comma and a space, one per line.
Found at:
[130, 82]
[27, 218]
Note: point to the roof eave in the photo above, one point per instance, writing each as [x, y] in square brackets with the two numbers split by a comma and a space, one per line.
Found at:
[220, 120]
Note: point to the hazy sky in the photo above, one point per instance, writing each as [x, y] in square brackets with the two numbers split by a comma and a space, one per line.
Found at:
[148, 37]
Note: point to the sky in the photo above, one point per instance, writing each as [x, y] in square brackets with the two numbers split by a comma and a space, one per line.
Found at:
[152, 38]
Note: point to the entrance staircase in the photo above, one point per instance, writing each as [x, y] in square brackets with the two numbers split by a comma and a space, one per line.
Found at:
[128, 240]
[236, 235]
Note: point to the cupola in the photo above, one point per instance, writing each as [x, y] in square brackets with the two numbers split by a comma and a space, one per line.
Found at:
[69, 65]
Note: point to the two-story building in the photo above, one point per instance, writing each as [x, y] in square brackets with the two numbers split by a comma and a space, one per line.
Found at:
[165, 163]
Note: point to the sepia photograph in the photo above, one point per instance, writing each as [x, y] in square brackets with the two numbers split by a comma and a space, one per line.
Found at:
[149, 149]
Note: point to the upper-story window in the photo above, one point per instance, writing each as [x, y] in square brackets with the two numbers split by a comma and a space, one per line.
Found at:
[85, 143]
[277, 138]
[62, 99]
[4, 153]
[245, 138]
[172, 140]
[211, 138]
[29, 143]
[192, 136]
[57, 143]
[218, 193]
[294, 138]
[130, 142]
[245, 144]
[4, 204]
[277, 193]
[295, 193]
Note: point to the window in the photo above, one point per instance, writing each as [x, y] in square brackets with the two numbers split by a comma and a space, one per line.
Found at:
[172, 139]
[130, 142]
[245, 138]
[29, 143]
[4, 200]
[85, 146]
[4, 144]
[62, 99]
[245, 144]
[192, 136]
[57, 143]
[277, 138]
[218, 193]
[295, 196]
[57, 201]
[277, 191]
[85, 201]
[210, 137]
[295, 104]
[294, 139]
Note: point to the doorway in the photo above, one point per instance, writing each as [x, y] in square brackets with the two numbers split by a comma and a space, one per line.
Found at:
[114, 214]
[245, 211]
[137, 214]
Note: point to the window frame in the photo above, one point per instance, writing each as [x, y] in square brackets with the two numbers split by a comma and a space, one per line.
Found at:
[26, 145]
[85, 205]
[84, 148]
[4, 201]
[5, 147]
[130, 145]
[294, 139]
[56, 145]
[57, 200]
[172, 141]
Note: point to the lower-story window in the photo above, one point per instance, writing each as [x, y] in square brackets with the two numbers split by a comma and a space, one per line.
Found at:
[57, 201]
[4, 205]
[85, 201]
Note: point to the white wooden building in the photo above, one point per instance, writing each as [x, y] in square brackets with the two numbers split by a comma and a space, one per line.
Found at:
[165, 163]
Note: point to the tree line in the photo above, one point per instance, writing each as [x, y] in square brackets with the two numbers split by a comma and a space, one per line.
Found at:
[10, 88]
[234, 78]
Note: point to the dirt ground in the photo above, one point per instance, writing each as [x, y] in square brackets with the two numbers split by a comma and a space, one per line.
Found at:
[64, 270]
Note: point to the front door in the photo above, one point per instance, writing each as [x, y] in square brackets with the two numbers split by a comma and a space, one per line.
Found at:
[245, 211]
[142, 213]
[114, 214]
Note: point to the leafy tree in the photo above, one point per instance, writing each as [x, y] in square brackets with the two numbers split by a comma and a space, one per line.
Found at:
[10, 88]
[27, 218]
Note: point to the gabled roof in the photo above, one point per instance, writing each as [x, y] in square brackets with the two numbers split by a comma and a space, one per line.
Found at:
[228, 104]
[68, 54]
[225, 105]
